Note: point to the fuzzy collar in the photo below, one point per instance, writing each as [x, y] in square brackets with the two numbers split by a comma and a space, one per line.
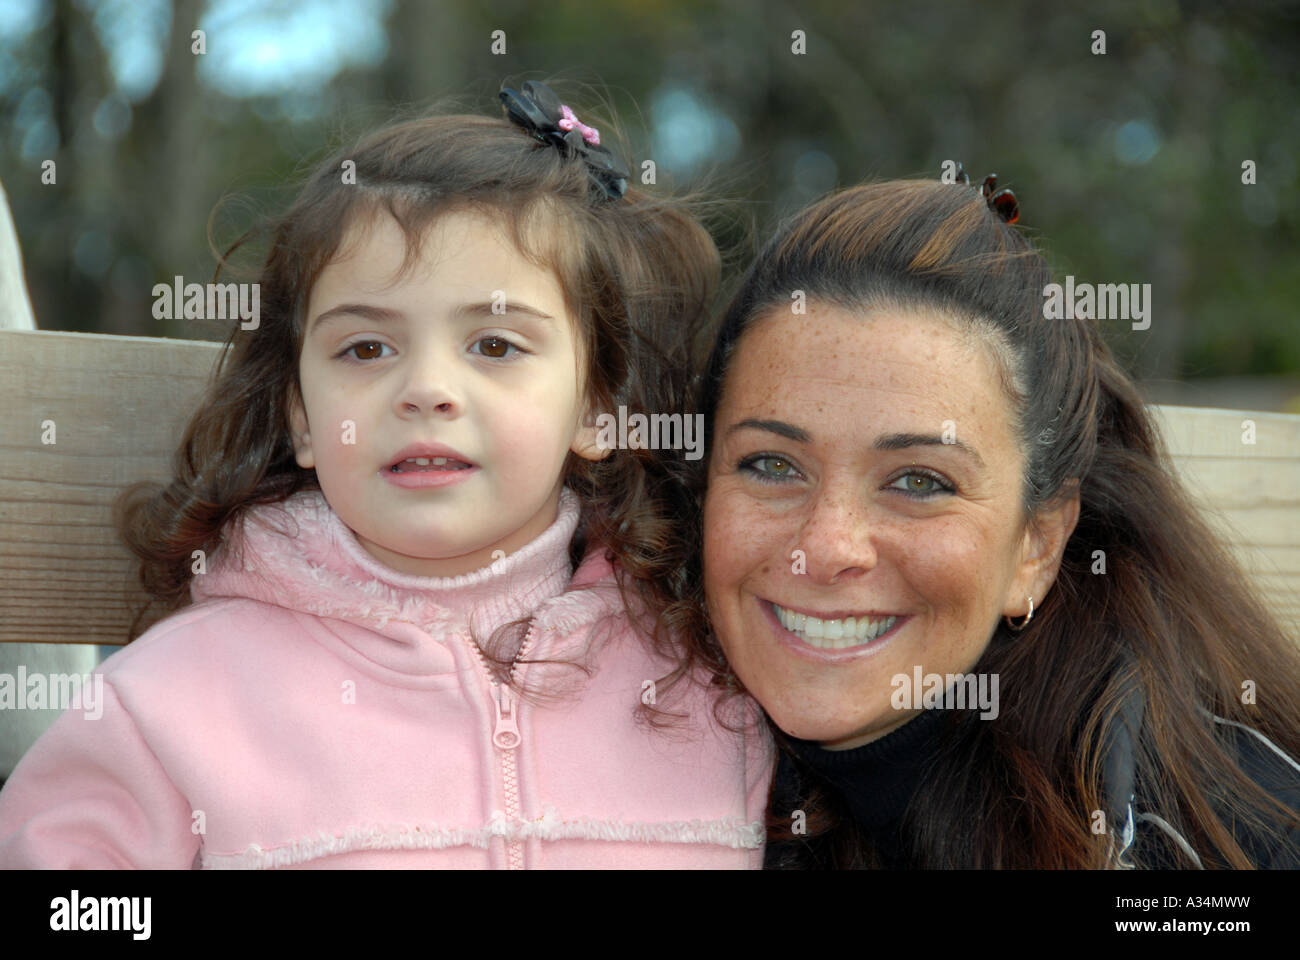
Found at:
[298, 554]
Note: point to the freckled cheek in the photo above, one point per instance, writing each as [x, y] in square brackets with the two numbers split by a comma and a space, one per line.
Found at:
[745, 547]
[955, 576]
[945, 568]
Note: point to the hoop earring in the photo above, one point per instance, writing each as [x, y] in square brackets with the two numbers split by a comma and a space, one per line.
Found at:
[1017, 627]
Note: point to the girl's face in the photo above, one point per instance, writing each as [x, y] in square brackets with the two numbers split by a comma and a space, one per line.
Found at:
[833, 494]
[471, 355]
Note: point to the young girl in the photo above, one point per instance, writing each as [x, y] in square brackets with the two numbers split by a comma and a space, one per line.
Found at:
[391, 660]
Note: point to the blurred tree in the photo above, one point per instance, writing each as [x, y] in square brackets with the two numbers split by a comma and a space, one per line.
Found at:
[1128, 163]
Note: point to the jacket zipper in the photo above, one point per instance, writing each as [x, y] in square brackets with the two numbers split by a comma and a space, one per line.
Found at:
[506, 737]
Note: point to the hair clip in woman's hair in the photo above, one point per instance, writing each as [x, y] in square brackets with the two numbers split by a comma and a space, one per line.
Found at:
[1002, 202]
[538, 110]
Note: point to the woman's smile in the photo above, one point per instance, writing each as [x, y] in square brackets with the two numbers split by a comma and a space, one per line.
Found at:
[832, 637]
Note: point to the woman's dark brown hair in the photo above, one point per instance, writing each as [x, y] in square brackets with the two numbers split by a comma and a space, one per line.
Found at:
[1172, 616]
[635, 271]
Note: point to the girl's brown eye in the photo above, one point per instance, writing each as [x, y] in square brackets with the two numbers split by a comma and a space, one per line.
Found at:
[494, 347]
[363, 346]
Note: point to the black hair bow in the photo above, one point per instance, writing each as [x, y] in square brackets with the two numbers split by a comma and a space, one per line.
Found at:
[538, 110]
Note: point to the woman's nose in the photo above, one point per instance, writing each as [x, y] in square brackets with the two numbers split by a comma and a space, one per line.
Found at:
[836, 539]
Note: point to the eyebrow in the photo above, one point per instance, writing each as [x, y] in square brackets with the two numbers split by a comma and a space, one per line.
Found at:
[901, 441]
[365, 310]
[891, 441]
[779, 427]
[377, 314]
[484, 309]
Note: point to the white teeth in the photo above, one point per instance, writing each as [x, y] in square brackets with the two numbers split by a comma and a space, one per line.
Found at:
[428, 461]
[833, 634]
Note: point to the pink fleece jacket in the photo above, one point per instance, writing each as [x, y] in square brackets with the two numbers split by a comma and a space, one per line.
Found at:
[317, 709]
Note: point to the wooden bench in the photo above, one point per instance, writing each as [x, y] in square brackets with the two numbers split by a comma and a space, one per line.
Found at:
[116, 406]
[1249, 491]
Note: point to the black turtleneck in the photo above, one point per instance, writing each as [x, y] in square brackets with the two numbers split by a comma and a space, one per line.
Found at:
[874, 784]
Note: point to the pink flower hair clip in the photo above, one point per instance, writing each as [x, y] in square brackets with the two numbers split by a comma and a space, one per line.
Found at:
[569, 121]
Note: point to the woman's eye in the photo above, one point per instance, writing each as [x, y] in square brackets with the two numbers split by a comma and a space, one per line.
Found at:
[365, 350]
[495, 347]
[769, 469]
[920, 484]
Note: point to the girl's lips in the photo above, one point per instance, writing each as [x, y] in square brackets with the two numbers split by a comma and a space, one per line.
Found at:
[807, 651]
[426, 477]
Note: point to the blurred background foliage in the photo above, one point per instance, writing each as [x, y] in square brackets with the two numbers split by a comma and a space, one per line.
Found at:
[1128, 165]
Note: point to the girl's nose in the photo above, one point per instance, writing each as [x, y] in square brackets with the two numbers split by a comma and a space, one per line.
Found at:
[433, 400]
[430, 389]
[444, 406]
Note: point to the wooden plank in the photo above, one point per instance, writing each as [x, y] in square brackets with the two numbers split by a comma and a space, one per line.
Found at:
[1281, 560]
[1242, 484]
[118, 407]
[1265, 528]
[1204, 432]
[1249, 491]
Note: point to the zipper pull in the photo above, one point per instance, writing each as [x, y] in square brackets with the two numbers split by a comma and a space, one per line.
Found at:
[506, 734]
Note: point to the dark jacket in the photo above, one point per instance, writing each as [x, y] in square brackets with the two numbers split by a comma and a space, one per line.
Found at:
[873, 784]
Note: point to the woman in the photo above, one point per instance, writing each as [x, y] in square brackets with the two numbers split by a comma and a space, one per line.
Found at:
[941, 545]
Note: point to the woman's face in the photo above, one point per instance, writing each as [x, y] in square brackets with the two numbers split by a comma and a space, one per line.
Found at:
[864, 467]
